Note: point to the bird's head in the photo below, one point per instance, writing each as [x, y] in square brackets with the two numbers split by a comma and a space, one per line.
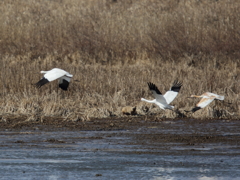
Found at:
[43, 72]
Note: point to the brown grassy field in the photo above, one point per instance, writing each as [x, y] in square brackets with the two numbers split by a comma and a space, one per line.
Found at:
[113, 48]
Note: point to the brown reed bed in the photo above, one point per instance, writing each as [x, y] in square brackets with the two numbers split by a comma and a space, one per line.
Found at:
[102, 90]
[120, 30]
[113, 48]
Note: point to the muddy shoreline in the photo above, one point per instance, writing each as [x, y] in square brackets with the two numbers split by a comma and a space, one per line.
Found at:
[95, 124]
[123, 148]
[188, 131]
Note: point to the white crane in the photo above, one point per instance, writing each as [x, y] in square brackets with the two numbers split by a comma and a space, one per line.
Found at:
[207, 98]
[163, 101]
[63, 78]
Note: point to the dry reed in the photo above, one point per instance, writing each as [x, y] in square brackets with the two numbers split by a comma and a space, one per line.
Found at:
[113, 48]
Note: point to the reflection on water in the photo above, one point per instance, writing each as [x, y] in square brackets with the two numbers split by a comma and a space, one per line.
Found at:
[113, 155]
[30, 161]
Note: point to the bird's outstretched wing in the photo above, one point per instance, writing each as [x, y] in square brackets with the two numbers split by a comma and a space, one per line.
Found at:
[154, 89]
[63, 82]
[156, 93]
[204, 102]
[173, 92]
[41, 82]
[54, 74]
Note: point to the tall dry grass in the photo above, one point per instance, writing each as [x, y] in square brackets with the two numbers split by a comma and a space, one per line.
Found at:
[113, 48]
[122, 30]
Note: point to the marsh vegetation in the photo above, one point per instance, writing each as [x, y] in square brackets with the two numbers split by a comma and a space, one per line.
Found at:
[113, 48]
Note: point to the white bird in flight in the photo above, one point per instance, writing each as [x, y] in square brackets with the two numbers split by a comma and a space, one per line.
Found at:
[63, 78]
[207, 98]
[163, 101]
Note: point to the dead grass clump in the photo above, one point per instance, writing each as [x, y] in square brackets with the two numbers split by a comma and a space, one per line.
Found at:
[129, 110]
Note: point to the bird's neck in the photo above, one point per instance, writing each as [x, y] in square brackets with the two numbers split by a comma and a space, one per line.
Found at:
[196, 96]
[149, 101]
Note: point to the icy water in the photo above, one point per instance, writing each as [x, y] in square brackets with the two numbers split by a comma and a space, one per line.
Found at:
[122, 154]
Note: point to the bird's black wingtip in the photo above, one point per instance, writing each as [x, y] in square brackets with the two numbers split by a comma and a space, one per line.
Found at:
[195, 109]
[153, 87]
[64, 85]
[176, 85]
[41, 82]
[150, 84]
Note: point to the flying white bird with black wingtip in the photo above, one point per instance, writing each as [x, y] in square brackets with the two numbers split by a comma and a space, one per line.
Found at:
[163, 101]
[63, 78]
[207, 98]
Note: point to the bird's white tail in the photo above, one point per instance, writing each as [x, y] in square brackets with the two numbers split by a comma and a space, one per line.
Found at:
[169, 107]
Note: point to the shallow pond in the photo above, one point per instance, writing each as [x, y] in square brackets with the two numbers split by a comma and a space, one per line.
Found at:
[164, 150]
